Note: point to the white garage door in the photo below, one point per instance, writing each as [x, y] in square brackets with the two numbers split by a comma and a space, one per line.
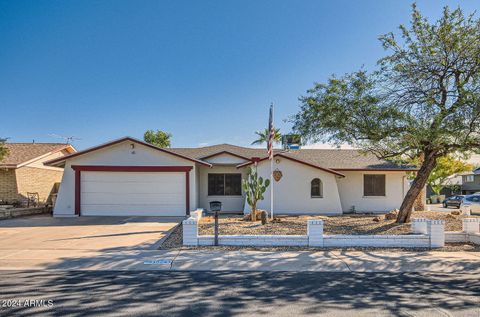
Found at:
[133, 194]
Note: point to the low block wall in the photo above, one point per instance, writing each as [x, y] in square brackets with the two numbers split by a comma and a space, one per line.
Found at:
[20, 212]
[433, 238]
[470, 232]
[380, 241]
[255, 240]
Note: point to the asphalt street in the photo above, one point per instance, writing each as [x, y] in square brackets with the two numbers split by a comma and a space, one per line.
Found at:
[160, 293]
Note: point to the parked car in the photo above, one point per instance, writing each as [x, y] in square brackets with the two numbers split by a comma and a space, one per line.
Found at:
[471, 203]
[453, 201]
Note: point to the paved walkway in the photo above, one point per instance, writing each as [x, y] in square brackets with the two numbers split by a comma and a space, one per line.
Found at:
[201, 260]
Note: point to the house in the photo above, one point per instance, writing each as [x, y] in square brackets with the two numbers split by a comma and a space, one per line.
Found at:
[22, 171]
[471, 182]
[131, 177]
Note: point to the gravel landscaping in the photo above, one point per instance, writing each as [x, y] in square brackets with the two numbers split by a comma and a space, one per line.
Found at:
[297, 225]
[344, 224]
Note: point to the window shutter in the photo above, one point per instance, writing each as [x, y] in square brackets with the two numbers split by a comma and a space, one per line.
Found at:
[374, 185]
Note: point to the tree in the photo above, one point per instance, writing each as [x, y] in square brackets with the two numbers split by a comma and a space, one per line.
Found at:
[423, 100]
[3, 149]
[254, 188]
[446, 166]
[263, 136]
[158, 138]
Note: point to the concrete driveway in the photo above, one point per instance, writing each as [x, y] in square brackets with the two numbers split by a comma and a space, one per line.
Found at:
[46, 242]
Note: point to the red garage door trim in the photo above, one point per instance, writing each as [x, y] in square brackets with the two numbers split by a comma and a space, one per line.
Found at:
[107, 168]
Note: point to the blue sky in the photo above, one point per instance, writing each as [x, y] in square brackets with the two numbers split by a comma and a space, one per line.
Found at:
[205, 71]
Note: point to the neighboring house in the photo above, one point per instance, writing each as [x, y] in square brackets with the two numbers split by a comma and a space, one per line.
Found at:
[22, 171]
[471, 182]
[131, 177]
[452, 186]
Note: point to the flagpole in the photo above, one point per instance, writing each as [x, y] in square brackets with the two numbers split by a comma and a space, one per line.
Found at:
[271, 171]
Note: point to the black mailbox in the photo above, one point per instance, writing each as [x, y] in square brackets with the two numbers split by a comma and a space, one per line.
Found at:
[215, 206]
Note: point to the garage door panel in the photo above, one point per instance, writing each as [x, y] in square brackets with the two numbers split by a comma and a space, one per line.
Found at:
[137, 198]
[133, 193]
[126, 188]
[131, 210]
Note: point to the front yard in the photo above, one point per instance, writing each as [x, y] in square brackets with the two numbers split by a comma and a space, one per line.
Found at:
[344, 224]
[297, 225]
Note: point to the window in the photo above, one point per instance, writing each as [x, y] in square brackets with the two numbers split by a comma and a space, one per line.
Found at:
[469, 178]
[224, 184]
[316, 190]
[374, 185]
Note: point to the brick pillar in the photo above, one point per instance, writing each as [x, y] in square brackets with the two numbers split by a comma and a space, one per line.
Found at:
[436, 230]
[315, 233]
[471, 225]
[419, 225]
[190, 232]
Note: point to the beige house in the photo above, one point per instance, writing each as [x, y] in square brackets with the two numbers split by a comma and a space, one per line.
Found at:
[22, 171]
[128, 177]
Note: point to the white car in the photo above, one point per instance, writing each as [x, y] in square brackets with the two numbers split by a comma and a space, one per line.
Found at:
[471, 205]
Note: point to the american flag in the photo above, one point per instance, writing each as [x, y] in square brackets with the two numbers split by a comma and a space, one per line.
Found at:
[271, 134]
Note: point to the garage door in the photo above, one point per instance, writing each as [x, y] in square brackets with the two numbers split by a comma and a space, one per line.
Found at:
[133, 194]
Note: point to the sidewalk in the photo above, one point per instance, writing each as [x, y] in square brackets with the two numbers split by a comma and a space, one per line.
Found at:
[201, 260]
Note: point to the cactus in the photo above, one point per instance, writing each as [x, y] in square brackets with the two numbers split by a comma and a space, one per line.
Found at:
[254, 188]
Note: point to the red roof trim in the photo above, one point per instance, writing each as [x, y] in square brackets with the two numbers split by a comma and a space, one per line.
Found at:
[295, 160]
[128, 168]
[95, 148]
[225, 152]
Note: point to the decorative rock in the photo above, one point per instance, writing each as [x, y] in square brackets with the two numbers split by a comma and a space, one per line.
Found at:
[456, 212]
[392, 215]
[376, 219]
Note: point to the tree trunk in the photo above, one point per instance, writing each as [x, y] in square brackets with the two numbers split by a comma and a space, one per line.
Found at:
[419, 204]
[428, 164]
[253, 213]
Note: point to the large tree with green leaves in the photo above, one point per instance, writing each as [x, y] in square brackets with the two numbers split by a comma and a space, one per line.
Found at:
[447, 166]
[158, 138]
[422, 101]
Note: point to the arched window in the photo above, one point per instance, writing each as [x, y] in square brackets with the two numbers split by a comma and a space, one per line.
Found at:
[316, 188]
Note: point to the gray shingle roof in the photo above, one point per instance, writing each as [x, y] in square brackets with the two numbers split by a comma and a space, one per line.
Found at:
[337, 159]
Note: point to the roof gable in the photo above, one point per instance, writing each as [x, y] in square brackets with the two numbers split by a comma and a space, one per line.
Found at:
[20, 154]
[130, 139]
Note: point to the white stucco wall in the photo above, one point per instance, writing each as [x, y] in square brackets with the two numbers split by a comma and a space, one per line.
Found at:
[292, 192]
[229, 203]
[119, 155]
[225, 158]
[351, 192]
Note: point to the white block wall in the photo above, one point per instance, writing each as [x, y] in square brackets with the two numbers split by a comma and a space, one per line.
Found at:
[436, 231]
[255, 240]
[419, 225]
[190, 232]
[435, 237]
[470, 233]
[471, 225]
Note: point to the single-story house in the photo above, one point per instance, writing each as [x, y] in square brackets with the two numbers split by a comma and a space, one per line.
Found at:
[131, 177]
[22, 171]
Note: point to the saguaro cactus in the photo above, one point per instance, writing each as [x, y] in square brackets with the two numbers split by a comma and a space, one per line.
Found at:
[254, 188]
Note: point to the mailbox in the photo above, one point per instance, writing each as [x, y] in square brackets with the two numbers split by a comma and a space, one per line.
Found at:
[215, 206]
